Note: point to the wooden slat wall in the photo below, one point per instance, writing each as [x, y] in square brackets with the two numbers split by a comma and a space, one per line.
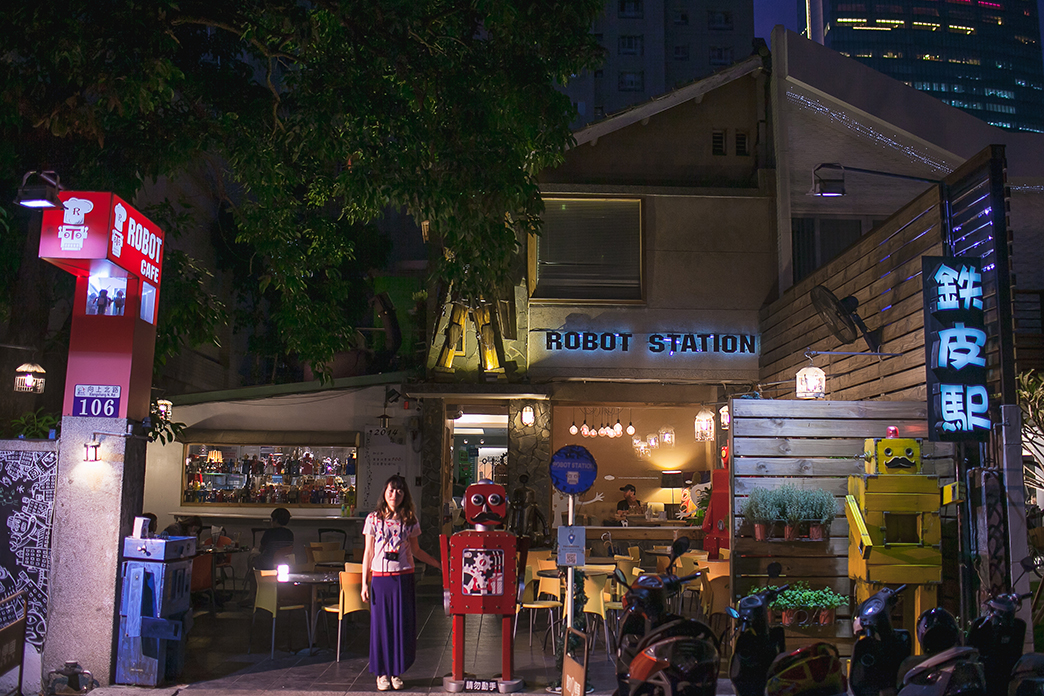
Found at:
[811, 444]
[883, 271]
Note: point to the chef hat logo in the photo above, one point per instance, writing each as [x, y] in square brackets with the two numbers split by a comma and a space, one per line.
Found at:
[75, 210]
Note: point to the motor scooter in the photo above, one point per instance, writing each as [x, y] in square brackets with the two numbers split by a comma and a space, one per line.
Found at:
[658, 652]
[756, 645]
[945, 667]
[880, 648]
[998, 635]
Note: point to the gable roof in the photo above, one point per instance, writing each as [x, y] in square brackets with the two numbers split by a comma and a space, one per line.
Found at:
[656, 105]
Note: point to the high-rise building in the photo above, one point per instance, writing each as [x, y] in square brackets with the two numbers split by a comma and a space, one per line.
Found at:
[981, 56]
[653, 46]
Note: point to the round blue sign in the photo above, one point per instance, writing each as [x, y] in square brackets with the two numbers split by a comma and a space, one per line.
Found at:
[573, 470]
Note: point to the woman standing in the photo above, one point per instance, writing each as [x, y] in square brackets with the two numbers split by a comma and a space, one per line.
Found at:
[392, 532]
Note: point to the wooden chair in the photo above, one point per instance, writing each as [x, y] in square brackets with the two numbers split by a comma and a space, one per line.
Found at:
[543, 587]
[334, 533]
[349, 599]
[223, 561]
[267, 598]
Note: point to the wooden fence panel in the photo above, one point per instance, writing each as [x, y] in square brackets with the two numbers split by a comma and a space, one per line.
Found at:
[810, 444]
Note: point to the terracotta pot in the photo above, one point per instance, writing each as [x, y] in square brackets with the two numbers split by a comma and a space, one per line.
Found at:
[815, 531]
[760, 531]
[790, 532]
[826, 616]
[789, 617]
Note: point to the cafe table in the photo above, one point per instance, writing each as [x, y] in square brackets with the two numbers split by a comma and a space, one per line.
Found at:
[315, 580]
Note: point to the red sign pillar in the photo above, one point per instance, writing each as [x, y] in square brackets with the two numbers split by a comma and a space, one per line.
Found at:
[116, 254]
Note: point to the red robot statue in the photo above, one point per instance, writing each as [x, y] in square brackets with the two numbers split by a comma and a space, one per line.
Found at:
[480, 571]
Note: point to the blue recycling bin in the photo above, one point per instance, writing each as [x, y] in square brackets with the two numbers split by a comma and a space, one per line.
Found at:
[154, 605]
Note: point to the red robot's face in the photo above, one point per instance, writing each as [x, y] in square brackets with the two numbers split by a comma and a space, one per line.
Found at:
[485, 503]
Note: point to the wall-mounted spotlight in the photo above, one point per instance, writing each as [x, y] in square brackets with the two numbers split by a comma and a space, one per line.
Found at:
[39, 195]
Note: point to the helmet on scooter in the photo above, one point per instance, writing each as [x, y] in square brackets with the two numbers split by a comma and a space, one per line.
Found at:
[937, 630]
[814, 670]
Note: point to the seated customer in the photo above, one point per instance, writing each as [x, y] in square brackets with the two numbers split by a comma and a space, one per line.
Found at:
[278, 537]
[188, 526]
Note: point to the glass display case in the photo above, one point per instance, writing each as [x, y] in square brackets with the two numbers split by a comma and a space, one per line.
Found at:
[291, 476]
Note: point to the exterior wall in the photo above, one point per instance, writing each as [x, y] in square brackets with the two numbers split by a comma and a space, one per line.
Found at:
[529, 450]
[664, 26]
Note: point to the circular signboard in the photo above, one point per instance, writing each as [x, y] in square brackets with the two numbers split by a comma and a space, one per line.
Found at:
[573, 470]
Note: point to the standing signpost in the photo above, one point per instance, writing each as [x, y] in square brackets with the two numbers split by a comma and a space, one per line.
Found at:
[573, 471]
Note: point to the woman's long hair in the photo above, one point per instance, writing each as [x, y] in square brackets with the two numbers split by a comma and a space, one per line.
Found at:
[405, 510]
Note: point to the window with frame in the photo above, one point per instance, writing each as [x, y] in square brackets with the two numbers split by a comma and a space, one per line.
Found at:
[681, 52]
[590, 249]
[719, 20]
[630, 81]
[630, 45]
[681, 17]
[721, 55]
[630, 9]
[742, 142]
[718, 143]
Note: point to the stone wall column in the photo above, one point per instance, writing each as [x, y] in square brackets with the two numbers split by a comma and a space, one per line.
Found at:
[94, 508]
[435, 472]
[529, 450]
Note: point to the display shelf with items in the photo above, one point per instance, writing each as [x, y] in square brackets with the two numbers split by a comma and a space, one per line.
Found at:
[291, 476]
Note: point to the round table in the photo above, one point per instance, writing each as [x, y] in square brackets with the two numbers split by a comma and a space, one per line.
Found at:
[315, 579]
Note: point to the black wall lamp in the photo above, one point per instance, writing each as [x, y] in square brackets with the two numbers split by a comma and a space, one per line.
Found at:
[39, 195]
[828, 179]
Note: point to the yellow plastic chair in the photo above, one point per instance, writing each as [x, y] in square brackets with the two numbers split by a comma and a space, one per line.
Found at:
[267, 598]
[594, 586]
[350, 600]
[715, 599]
[687, 566]
[635, 552]
[543, 586]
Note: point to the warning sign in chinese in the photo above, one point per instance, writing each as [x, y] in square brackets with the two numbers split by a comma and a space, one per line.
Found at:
[955, 349]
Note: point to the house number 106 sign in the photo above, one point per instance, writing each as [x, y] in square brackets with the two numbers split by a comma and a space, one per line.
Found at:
[98, 400]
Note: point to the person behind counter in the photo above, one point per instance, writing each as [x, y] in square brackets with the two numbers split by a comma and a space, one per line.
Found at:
[278, 537]
[630, 505]
[187, 526]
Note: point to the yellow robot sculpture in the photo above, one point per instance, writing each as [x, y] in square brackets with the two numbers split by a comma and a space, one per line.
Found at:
[893, 521]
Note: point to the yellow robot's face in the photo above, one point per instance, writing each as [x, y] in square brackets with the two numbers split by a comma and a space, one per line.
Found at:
[899, 454]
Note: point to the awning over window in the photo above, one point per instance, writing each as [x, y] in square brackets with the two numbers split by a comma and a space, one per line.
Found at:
[206, 436]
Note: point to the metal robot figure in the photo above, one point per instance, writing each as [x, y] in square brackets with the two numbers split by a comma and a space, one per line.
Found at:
[480, 571]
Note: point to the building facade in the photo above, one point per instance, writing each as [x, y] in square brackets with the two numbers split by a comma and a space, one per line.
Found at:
[980, 56]
[654, 46]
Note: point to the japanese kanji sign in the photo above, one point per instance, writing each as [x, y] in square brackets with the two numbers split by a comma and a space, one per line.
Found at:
[955, 347]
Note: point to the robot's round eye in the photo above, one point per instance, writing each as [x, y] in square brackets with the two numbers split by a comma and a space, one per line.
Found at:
[888, 451]
[478, 499]
[495, 499]
[909, 451]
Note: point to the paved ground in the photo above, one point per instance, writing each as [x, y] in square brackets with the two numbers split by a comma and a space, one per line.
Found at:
[218, 664]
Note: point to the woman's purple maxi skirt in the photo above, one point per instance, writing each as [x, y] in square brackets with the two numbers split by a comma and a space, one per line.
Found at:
[393, 624]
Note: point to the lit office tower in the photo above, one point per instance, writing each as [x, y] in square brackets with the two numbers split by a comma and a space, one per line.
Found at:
[981, 56]
[653, 46]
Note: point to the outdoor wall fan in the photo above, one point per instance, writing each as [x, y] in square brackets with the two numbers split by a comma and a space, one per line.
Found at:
[841, 318]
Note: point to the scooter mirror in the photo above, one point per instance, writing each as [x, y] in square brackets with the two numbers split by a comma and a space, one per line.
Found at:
[680, 546]
[732, 612]
[621, 578]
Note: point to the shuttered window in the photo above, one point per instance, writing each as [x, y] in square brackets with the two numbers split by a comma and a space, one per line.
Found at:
[590, 249]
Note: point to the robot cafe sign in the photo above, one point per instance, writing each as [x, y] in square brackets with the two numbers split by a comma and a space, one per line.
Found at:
[955, 349]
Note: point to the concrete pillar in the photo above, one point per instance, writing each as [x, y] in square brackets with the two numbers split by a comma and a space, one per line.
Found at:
[529, 450]
[435, 475]
[94, 508]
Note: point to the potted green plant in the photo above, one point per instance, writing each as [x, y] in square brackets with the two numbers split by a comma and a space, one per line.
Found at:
[822, 508]
[791, 503]
[790, 603]
[759, 509]
[827, 602]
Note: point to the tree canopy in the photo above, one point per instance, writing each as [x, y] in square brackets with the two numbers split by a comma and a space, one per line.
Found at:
[311, 119]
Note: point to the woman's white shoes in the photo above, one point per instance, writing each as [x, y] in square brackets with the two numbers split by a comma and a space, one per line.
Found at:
[383, 684]
[396, 683]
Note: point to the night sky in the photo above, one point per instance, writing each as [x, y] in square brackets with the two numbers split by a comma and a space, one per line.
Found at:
[769, 13]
